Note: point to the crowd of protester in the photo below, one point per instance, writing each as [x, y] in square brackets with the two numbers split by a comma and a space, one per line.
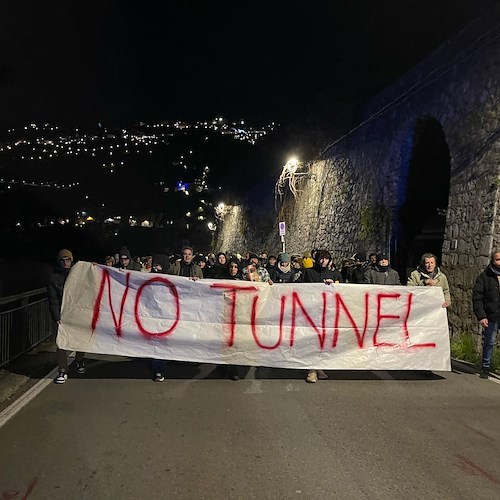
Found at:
[316, 266]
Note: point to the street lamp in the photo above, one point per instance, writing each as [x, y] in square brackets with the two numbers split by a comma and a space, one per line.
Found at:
[290, 174]
[220, 210]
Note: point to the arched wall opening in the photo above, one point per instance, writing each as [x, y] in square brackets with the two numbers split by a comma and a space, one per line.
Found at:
[423, 198]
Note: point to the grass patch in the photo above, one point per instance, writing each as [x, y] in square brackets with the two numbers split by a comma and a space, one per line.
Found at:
[464, 346]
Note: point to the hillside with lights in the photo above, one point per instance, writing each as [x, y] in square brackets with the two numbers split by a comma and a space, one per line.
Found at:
[152, 186]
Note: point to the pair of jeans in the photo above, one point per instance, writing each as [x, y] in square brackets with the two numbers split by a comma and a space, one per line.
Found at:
[62, 359]
[489, 338]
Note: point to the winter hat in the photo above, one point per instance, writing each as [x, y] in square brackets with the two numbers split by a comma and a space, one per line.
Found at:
[381, 256]
[124, 252]
[64, 254]
[200, 258]
[359, 256]
[307, 261]
[283, 257]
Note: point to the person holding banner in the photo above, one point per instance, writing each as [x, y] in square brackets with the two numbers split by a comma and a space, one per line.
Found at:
[428, 274]
[55, 290]
[186, 266]
[125, 261]
[253, 271]
[320, 273]
[486, 305]
[283, 273]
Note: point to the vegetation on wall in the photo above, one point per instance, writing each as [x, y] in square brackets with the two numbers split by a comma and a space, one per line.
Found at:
[373, 220]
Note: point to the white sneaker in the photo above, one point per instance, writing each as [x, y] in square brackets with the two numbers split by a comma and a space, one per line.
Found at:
[61, 378]
[312, 377]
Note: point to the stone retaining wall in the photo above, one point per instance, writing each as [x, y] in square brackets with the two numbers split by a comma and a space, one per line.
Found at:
[351, 195]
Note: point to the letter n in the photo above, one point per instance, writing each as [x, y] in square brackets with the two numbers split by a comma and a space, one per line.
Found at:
[97, 305]
[360, 337]
[321, 333]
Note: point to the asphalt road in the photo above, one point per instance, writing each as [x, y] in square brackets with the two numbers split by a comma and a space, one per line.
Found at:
[113, 433]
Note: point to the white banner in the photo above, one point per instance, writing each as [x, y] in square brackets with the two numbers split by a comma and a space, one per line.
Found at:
[344, 326]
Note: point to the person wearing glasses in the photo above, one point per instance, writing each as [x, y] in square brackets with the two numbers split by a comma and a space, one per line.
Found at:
[55, 290]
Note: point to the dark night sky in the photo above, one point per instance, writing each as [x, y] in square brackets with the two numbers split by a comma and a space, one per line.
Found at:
[122, 61]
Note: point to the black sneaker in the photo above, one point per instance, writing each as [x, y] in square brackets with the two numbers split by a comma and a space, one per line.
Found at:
[61, 378]
[158, 377]
[80, 367]
[484, 373]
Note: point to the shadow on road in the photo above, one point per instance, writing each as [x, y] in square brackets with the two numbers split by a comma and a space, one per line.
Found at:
[37, 363]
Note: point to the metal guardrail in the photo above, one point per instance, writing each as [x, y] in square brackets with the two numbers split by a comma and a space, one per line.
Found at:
[24, 322]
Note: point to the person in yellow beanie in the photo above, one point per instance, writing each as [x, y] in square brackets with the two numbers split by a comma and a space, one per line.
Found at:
[307, 260]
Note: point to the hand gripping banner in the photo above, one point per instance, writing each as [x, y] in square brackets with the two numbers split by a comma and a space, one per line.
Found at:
[339, 326]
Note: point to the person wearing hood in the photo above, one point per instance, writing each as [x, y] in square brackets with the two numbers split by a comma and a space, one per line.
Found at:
[232, 272]
[429, 274]
[55, 290]
[320, 273]
[219, 270]
[382, 273]
[486, 305]
[271, 264]
[233, 269]
[125, 261]
[359, 268]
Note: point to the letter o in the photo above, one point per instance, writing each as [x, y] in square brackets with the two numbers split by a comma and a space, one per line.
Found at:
[175, 294]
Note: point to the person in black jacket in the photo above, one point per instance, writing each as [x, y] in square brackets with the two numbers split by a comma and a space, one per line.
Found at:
[55, 290]
[486, 305]
[320, 274]
[283, 272]
[359, 269]
[382, 273]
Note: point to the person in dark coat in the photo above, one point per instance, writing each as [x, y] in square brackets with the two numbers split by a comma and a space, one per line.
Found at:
[125, 261]
[55, 290]
[186, 266]
[320, 274]
[233, 269]
[486, 305]
[219, 269]
[359, 269]
[283, 272]
[382, 273]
